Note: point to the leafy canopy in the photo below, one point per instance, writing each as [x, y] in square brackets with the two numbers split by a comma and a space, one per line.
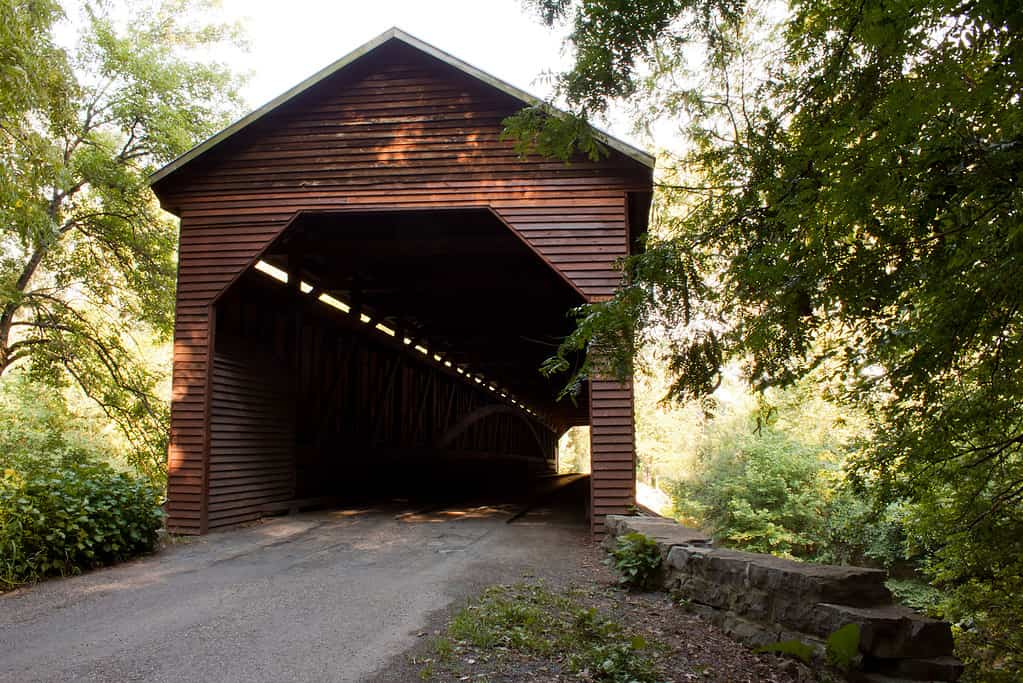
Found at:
[87, 260]
[848, 196]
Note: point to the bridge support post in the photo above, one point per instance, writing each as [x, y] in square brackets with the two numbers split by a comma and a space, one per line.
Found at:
[612, 451]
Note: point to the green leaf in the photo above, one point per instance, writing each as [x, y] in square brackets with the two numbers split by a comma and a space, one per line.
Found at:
[843, 646]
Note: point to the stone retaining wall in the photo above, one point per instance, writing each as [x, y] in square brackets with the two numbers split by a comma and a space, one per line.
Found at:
[762, 599]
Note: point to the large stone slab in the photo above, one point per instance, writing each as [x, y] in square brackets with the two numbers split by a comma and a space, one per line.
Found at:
[761, 599]
[666, 532]
[777, 576]
[748, 631]
[888, 631]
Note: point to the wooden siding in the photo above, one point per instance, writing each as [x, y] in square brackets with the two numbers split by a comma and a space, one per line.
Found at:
[396, 130]
[252, 437]
[612, 451]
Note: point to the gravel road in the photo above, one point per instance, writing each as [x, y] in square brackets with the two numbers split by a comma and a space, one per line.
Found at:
[326, 596]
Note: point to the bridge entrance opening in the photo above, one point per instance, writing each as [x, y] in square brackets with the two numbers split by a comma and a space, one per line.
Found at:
[387, 354]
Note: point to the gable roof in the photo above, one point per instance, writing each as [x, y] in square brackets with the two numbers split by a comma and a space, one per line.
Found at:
[391, 34]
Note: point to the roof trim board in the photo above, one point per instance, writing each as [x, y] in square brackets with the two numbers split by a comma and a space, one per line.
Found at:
[391, 34]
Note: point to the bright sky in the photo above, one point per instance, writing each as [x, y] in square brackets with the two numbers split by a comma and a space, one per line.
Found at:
[293, 39]
[289, 40]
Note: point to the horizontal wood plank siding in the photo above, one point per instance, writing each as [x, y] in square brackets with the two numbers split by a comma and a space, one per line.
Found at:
[186, 473]
[252, 425]
[612, 451]
[397, 130]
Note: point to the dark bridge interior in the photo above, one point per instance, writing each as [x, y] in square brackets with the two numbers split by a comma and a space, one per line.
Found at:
[387, 353]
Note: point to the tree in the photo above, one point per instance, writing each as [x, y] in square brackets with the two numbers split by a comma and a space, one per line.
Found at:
[88, 258]
[850, 194]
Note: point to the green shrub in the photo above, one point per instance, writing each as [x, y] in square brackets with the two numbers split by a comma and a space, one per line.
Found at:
[841, 649]
[759, 492]
[616, 662]
[39, 430]
[917, 594]
[63, 507]
[770, 492]
[59, 520]
[636, 558]
[855, 532]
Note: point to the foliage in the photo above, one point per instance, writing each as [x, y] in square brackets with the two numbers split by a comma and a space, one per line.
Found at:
[849, 197]
[668, 434]
[916, 594]
[63, 508]
[32, 68]
[772, 495]
[765, 496]
[86, 256]
[572, 134]
[616, 662]
[574, 450]
[39, 427]
[637, 558]
[859, 532]
[843, 646]
[517, 617]
[530, 618]
[769, 477]
[65, 519]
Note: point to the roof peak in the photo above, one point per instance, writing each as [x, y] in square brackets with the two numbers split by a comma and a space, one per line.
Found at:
[393, 33]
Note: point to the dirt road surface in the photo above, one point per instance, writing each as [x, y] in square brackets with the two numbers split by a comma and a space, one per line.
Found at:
[325, 596]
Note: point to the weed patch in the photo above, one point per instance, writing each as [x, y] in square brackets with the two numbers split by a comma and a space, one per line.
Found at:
[532, 628]
[636, 558]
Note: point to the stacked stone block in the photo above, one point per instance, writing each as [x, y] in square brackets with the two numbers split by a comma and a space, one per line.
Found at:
[762, 599]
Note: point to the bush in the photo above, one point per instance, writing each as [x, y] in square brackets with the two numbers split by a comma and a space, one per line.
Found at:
[760, 492]
[636, 558]
[59, 520]
[770, 492]
[63, 507]
[856, 532]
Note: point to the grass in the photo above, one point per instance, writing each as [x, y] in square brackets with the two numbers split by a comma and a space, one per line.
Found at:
[529, 622]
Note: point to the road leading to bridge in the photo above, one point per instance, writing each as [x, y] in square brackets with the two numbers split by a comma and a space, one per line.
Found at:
[326, 596]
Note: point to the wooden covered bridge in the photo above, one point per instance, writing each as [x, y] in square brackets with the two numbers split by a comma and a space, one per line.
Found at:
[369, 279]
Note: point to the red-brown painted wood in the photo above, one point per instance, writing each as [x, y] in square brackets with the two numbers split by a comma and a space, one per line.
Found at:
[612, 451]
[397, 129]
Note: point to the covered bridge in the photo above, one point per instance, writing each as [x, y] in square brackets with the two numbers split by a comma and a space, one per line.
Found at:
[369, 279]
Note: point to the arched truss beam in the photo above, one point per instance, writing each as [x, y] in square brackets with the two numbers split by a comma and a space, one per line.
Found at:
[484, 412]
